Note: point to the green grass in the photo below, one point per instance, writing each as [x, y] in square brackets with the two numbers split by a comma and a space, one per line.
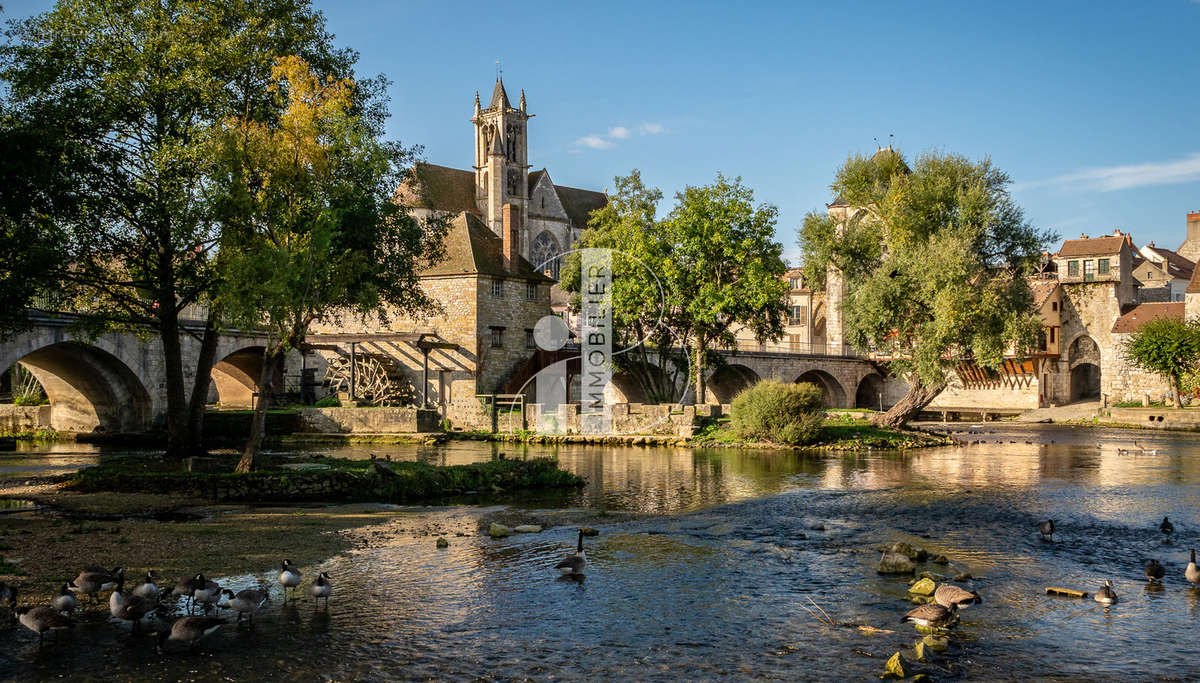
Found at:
[12, 569]
[44, 434]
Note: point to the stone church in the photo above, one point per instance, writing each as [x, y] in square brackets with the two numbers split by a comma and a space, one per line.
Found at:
[553, 216]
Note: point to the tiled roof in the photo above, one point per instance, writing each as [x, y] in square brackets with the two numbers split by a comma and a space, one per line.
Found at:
[440, 188]
[1178, 266]
[1092, 246]
[1041, 289]
[473, 249]
[579, 203]
[1144, 313]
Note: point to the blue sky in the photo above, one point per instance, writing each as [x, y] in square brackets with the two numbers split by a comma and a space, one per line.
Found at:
[1093, 108]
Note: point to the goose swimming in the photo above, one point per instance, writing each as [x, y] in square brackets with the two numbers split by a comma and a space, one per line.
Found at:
[1046, 529]
[42, 619]
[948, 595]
[1155, 571]
[289, 576]
[65, 600]
[574, 563]
[1106, 595]
[1192, 573]
[931, 615]
[321, 588]
[1166, 527]
[245, 602]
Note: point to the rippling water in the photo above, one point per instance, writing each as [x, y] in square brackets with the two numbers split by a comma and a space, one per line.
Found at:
[716, 586]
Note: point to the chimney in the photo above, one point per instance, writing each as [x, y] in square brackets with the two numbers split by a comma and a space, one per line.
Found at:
[512, 237]
[1193, 226]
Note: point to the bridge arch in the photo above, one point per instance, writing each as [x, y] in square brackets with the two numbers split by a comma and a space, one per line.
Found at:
[728, 381]
[236, 375]
[835, 395]
[870, 392]
[90, 388]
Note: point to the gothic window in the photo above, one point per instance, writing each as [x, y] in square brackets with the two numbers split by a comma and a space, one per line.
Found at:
[545, 254]
[514, 182]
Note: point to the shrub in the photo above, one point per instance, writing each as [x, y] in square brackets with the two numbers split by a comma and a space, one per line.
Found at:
[328, 402]
[777, 412]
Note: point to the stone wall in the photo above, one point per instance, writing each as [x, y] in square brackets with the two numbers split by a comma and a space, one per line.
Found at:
[15, 419]
[1126, 382]
[382, 420]
[514, 313]
[629, 418]
[1002, 397]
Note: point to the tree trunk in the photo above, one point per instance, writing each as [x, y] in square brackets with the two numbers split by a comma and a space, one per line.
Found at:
[699, 370]
[919, 395]
[177, 408]
[208, 354]
[258, 426]
[1175, 393]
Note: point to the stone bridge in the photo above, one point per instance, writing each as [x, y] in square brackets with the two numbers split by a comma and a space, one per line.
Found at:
[116, 382]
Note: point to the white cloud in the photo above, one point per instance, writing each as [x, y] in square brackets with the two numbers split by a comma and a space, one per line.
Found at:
[618, 133]
[593, 142]
[1111, 178]
[651, 129]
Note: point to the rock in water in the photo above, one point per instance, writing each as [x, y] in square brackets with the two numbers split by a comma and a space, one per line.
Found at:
[895, 563]
[499, 530]
[923, 587]
[443, 543]
[897, 666]
[935, 643]
[941, 559]
[527, 529]
[589, 531]
[922, 655]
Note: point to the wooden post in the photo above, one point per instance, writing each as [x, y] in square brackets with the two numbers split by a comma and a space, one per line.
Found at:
[353, 362]
[424, 378]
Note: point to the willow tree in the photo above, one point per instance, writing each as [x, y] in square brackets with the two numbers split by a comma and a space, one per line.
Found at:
[310, 230]
[933, 260]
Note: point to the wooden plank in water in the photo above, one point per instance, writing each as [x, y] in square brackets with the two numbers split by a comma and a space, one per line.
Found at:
[1065, 592]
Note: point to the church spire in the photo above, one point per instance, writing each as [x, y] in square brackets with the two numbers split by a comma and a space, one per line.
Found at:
[499, 97]
[476, 104]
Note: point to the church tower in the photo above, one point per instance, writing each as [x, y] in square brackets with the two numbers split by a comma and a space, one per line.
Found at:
[501, 156]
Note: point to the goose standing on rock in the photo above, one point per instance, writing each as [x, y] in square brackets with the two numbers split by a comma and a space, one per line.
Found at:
[65, 601]
[289, 577]
[189, 630]
[208, 592]
[42, 619]
[92, 580]
[1166, 527]
[1046, 529]
[148, 590]
[322, 588]
[1106, 595]
[1192, 573]
[574, 564]
[949, 595]
[246, 602]
[1155, 571]
[931, 615]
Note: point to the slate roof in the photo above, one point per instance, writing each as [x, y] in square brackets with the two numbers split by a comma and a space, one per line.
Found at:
[579, 203]
[473, 249]
[1143, 313]
[499, 96]
[1092, 246]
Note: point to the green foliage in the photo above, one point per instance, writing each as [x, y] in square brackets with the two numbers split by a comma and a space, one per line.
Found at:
[710, 266]
[1169, 347]
[26, 390]
[779, 413]
[934, 259]
[328, 402]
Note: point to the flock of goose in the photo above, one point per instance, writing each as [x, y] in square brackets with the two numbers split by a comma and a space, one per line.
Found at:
[147, 597]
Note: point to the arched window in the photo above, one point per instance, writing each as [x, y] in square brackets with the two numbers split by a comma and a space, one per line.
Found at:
[544, 253]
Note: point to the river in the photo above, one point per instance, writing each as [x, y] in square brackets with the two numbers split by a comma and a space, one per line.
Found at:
[713, 582]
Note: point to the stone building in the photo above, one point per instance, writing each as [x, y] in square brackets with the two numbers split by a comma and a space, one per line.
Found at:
[1190, 249]
[553, 216]
[1162, 274]
[804, 326]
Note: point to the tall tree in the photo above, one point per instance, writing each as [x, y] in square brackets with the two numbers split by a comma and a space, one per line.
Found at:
[138, 87]
[708, 268]
[311, 230]
[1169, 347]
[934, 260]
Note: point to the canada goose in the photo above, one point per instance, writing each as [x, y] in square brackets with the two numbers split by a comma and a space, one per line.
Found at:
[245, 602]
[189, 630]
[185, 587]
[148, 590]
[931, 615]
[65, 600]
[1192, 573]
[208, 592]
[8, 595]
[948, 595]
[1106, 595]
[574, 563]
[41, 619]
[1144, 450]
[128, 608]
[1155, 571]
[1166, 527]
[1046, 529]
[321, 588]
[289, 576]
[93, 579]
